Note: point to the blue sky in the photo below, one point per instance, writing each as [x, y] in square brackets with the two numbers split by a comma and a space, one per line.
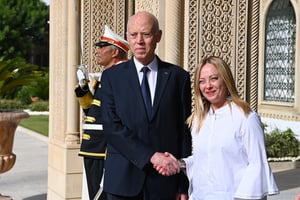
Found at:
[46, 1]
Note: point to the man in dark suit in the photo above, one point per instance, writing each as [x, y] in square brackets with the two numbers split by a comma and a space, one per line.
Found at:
[136, 139]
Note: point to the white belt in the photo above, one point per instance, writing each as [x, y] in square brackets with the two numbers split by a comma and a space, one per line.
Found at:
[92, 126]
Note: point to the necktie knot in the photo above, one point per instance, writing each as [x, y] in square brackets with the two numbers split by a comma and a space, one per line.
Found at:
[145, 70]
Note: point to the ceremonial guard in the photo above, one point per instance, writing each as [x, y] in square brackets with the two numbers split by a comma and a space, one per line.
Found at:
[111, 50]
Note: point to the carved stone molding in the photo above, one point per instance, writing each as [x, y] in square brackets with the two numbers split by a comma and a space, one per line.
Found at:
[240, 63]
[220, 28]
[58, 70]
[252, 66]
[149, 5]
[96, 14]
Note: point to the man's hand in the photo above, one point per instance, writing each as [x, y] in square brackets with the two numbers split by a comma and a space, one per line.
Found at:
[181, 196]
[165, 163]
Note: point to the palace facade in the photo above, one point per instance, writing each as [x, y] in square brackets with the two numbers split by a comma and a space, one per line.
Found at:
[260, 39]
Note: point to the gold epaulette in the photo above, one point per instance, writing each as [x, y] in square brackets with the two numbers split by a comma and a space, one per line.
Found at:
[86, 101]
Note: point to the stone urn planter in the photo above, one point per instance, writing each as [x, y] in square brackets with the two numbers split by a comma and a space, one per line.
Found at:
[9, 120]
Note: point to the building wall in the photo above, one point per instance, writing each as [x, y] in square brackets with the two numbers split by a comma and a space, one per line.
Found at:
[278, 110]
[191, 29]
[277, 114]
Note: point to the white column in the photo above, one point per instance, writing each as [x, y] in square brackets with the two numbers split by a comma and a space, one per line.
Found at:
[64, 164]
[173, 33]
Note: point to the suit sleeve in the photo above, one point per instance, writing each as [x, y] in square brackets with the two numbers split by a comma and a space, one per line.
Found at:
[186, 144]
[186, 106]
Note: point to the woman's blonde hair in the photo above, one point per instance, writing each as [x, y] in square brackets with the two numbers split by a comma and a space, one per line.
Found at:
[201, 104]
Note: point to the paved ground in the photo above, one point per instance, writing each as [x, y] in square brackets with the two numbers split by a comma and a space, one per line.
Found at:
[288, 183]
[27, 180]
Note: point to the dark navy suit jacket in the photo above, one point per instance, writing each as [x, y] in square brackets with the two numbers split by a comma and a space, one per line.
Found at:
[133, 138]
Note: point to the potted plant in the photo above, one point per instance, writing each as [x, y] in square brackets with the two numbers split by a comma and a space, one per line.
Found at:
[14, 73]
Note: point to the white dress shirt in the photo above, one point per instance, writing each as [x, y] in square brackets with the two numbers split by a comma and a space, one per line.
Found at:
[152, 75]
[229, 159]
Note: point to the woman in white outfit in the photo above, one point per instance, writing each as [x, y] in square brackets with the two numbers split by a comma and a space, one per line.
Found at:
[229, 158]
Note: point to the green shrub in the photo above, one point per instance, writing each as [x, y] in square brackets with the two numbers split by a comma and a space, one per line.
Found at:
[14, 74]
[39, 106]
[282, 144]
[9, 104]
[39, 88]
[24, 95]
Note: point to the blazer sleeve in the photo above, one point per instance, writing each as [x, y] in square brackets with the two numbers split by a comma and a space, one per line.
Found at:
[186, 106]
[186, 144]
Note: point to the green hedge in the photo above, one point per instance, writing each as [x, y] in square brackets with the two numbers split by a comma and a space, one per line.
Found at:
[39, 106]
[9, 104]
[282, 144]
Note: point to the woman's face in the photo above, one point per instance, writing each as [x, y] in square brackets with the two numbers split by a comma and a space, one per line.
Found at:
[212, 86]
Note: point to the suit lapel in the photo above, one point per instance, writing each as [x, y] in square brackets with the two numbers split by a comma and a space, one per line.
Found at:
[134, 84]
[163, 75]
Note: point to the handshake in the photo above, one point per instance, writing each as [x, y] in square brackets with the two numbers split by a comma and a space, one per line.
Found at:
[166, 164]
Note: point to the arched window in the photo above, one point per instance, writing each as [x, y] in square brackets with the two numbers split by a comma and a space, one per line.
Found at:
[280, 40]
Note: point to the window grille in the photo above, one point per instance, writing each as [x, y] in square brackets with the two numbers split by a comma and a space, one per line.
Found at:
[279, 69]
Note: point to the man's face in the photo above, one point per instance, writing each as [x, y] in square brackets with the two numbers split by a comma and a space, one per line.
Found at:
[104, 55]
[142, 38]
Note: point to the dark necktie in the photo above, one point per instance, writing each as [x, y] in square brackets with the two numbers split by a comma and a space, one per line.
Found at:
[146, 91]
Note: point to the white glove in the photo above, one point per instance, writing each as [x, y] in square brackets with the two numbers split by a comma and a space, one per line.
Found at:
[82, 75]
